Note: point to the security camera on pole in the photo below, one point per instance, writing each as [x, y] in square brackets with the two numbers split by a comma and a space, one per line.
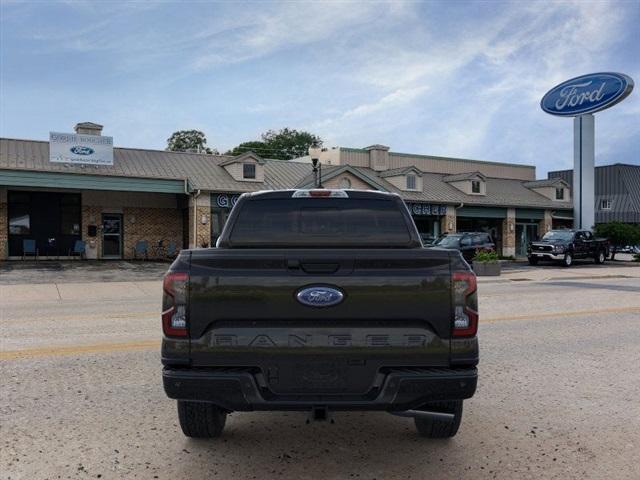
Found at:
[580, 97]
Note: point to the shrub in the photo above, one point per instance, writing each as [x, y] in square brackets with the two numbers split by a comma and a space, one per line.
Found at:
[619, 234]
[482, 256]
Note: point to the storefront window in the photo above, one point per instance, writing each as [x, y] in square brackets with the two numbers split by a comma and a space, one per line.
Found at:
[19, 213]
[19, 220]
[52, 219]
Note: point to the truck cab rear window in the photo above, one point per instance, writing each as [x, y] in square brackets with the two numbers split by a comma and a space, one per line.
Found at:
[320, 222]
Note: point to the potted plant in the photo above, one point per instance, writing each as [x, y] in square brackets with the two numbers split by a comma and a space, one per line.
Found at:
[486, 264]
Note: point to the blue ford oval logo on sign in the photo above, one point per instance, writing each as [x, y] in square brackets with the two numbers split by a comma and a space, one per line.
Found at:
[79, 150]
[319, 296]
[587, 94]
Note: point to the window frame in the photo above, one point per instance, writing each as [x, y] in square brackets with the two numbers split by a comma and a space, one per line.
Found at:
[473, 184]
[414, 180]
[608, 204]
[244, 171]
[560, 193]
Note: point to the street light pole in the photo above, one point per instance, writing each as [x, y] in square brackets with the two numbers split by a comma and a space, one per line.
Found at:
[314, 162]
[314, 153]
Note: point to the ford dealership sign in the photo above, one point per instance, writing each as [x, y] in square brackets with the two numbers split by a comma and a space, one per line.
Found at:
[80, 149]
[587, 94]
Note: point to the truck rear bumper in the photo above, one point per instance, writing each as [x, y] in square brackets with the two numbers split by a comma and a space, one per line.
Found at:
[241, 389]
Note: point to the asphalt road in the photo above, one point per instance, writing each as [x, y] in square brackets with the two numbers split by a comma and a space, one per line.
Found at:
[559, 394]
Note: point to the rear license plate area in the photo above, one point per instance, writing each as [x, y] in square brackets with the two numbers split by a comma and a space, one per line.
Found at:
[335, 376]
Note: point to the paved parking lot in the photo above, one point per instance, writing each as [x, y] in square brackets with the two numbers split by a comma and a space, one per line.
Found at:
[81, 394]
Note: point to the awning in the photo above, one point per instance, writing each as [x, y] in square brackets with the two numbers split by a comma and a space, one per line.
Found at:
[30, 178]
[562, 216]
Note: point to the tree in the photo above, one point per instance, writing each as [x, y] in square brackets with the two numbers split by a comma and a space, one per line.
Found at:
[287, 144]
[257, 147]
[284, 144]
[188, 141]
[619, 234]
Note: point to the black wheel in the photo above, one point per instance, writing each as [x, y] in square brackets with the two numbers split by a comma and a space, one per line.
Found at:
[600, 257]
[533, 260]
[431, 428]
[568, 260]
[201, 420]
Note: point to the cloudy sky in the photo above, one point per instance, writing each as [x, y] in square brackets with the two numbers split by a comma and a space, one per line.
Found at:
[451, 78]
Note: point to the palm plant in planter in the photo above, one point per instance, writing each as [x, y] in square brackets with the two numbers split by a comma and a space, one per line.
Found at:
[486, 264]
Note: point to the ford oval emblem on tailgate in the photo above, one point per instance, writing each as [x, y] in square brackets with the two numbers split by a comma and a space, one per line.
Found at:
[319, 296]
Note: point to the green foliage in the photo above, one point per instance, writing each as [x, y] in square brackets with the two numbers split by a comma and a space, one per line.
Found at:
[483, 256]
[284, 144]
[259, 148]
[189, 141]
[619, 234]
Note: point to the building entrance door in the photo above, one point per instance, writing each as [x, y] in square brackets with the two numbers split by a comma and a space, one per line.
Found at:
[219, 217]
[111, 235]
[525, 233]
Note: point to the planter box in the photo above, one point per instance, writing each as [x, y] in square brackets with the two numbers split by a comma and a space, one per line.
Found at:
[486, 269]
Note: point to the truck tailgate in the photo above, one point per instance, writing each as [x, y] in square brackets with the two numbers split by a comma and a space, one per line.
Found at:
[396, 311]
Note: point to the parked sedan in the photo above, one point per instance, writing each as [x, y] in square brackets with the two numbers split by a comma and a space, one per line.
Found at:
[467, 242]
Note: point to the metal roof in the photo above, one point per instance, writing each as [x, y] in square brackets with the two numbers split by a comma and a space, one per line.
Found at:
[393, 172]
[463, 176]
[547, 182]
[201, 170]
[618, 183]
[206, 172]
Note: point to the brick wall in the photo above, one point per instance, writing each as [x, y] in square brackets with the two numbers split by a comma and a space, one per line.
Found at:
[509, 234]
[448, 222]
[545, 224]
[91, 215]
[203, 230]
[151, 224]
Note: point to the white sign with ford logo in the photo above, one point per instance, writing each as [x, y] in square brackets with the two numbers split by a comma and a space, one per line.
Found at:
[80, 149]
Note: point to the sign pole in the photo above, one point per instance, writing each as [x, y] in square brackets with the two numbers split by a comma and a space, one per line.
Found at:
[583, 171]
[579, 98]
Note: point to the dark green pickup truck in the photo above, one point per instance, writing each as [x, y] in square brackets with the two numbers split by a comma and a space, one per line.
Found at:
[320, 300]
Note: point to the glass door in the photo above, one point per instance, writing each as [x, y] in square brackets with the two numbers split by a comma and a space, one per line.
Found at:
[525, 233]
[111, 235]
[219, 217]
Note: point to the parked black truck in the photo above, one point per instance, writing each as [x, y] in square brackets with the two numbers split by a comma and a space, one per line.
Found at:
[320, 300]
[565, 246]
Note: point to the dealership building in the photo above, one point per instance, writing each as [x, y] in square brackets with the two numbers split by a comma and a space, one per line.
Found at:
[114, 198]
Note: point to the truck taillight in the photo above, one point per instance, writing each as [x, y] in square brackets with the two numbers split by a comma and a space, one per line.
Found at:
[465, 304]
[174, 304]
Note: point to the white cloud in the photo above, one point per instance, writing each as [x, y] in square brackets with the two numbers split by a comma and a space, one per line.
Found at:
[483, 79]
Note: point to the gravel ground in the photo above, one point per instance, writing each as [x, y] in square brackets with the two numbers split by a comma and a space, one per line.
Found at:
[81, 397]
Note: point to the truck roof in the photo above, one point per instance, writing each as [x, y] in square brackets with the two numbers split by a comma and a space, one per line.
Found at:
[282, 194]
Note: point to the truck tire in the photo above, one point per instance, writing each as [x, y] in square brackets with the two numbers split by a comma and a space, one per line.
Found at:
[567, 261]
[201, 420]
[600, 257]
[533, 260]
[431, 428]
